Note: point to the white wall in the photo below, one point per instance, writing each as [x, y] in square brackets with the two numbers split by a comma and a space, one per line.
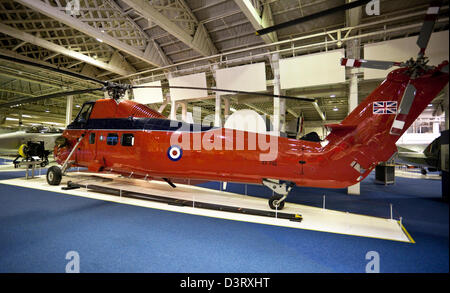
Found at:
[310, 70]
[403, 49]
[251, 78]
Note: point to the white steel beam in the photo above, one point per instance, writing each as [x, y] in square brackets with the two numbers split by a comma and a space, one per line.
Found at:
[18, 34]
[55, 13]
[319, 111]
[199, 42]
[257, 21]
[153, 51]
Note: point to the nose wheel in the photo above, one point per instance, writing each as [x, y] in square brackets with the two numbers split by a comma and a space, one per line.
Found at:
[54, 175]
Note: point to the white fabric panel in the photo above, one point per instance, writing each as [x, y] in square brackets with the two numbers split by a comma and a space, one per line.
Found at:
[150, 95]
[193, 80]
[403, 49]
[311, 70]
[250, 78]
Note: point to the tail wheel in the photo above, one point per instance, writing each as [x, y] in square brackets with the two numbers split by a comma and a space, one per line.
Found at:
[275, 203]
[54, 175]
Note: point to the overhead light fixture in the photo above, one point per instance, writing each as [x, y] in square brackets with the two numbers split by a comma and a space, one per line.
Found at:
[12, 119]
[78, 106]
[335, 109]
[47, 111]
[333, 96]
[26, 116]
[430, 105]
[101, 41]
[232, 109]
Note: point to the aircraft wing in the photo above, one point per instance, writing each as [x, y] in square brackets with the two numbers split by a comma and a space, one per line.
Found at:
[411, 148]
[410, 158]
[10, 142]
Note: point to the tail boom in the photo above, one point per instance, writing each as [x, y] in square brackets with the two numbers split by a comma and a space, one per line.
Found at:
[368, 134]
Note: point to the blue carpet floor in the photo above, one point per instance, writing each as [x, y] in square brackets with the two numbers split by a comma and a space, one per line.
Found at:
[38, 228]
[4, 161]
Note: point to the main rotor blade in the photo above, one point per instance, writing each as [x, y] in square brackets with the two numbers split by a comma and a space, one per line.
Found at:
[229, 91]
[428, 26]
[55, 95]
[58, 70]
[312, 16]
[405, 105]
[375, 64]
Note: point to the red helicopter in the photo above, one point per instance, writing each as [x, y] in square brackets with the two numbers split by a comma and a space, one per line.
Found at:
[122, 136]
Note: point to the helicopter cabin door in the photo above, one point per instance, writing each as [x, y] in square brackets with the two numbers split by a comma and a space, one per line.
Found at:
[87, 149]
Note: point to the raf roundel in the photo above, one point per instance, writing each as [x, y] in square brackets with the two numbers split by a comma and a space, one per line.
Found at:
[174, 153]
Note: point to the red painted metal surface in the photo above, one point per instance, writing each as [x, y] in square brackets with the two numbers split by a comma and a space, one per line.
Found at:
[362, 138]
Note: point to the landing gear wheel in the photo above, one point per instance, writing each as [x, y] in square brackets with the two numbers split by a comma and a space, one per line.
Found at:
[423, 171]
[275, 203]
[54, 175]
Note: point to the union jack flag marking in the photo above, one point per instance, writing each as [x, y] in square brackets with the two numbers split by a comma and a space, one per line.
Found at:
[385, 107]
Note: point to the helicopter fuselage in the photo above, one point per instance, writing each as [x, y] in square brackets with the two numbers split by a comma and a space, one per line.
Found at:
[129, 138]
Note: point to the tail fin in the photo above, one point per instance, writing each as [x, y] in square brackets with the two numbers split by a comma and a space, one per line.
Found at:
[364, 136]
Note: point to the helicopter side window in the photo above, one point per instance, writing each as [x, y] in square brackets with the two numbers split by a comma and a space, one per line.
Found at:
[112, 139]
[92, 138]
[127, 139]
[83, 116]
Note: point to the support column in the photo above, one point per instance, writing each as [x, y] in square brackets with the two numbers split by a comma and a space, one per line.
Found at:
[226, 111]
[183, 110]
[218, 102]
[173, 110]
[353, 18]
[352, 104]
[279, 105]
[218, 111]
[69, 107]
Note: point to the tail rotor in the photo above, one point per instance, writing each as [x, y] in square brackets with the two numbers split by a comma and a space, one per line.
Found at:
[415, 67]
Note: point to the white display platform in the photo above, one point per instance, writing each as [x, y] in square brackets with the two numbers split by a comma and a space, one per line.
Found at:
[314, 218]
[416, 174]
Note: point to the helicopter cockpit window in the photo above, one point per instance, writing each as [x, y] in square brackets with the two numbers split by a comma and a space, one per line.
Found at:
[83, 116]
